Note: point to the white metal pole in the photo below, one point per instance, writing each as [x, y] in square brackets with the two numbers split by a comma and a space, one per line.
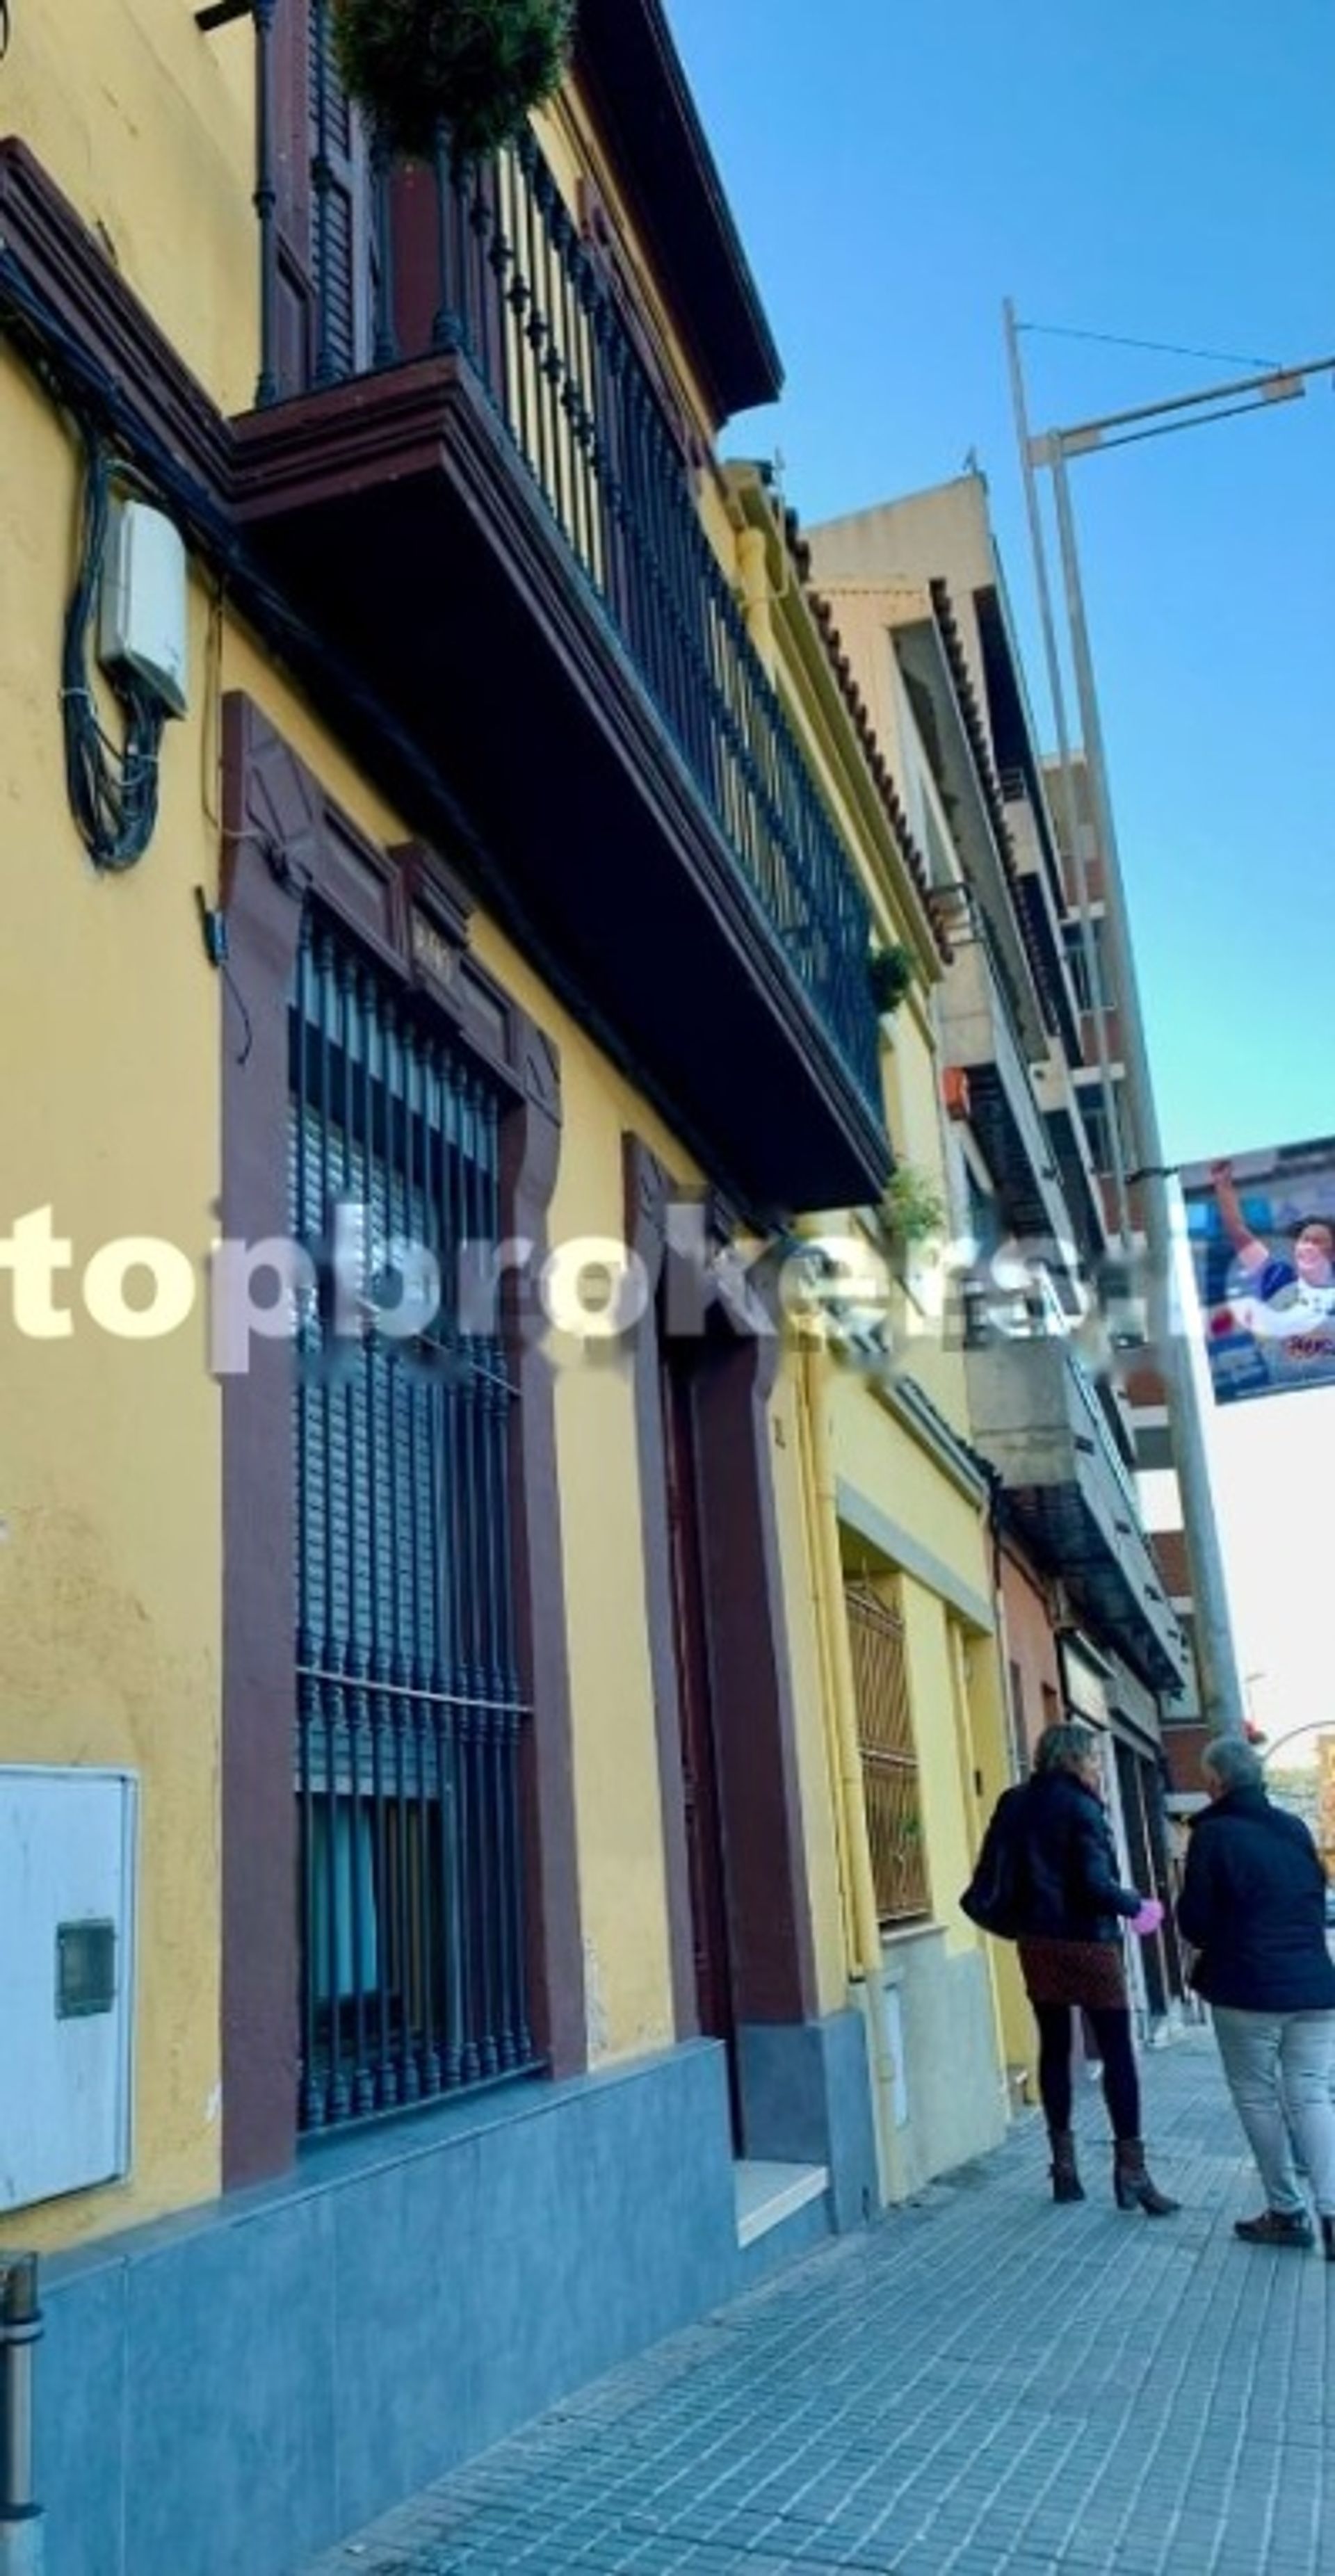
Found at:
[1220, 1687]
[1070, 801]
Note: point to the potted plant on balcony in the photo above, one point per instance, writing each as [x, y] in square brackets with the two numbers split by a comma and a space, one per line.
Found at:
[912, 1211]
[890, 974]
[475, 66]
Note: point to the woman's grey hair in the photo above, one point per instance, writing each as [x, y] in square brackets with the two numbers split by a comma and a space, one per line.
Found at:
[1233, 1763]
[1064, 1747]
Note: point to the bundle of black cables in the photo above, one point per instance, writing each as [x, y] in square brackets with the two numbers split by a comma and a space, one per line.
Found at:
[113, 794]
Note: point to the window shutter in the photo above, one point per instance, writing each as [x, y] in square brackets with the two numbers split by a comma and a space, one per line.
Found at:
[324, 260]
[341, 235]
[295, 303]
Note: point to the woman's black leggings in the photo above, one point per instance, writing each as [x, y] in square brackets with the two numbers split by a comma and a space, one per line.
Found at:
[1121, 2084]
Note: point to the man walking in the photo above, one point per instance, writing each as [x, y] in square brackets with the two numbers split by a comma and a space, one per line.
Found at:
[1253, 1907]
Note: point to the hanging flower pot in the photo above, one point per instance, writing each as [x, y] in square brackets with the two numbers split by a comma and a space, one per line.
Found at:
[890, 975]
[478, 66]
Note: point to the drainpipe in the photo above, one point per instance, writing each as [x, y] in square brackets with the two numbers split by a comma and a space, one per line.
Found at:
[22, 2523]
[964, 1755]
[847, 1765]
[806, 1486]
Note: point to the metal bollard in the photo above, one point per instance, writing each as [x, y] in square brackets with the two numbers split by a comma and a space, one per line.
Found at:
[22, 2526]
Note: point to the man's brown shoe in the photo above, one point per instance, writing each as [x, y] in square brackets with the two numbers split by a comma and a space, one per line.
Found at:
[1276, 2227]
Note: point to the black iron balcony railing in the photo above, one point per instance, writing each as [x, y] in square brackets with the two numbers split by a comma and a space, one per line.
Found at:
[1100, 1434]
[487, 264]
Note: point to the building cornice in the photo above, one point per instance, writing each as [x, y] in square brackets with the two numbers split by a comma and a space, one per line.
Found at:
[628, 69]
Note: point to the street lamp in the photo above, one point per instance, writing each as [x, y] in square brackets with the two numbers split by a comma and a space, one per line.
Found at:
[1217, 1664]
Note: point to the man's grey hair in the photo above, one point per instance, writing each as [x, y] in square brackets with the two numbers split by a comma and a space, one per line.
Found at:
[1234, 1763]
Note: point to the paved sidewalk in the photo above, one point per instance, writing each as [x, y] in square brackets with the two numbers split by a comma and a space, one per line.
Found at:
[980, 2384]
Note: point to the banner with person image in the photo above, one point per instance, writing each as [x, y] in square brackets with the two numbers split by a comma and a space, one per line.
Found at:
[1261, 1227]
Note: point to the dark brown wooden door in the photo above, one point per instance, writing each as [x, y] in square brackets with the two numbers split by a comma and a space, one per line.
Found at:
[699, 1761]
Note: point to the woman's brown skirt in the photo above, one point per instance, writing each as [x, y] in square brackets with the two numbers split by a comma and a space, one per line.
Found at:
[1086, 1974]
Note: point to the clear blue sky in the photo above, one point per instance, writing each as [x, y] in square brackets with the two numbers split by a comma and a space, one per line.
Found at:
[1162, 172]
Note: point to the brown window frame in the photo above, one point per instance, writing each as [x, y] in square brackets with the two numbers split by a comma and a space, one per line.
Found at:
[284, 839]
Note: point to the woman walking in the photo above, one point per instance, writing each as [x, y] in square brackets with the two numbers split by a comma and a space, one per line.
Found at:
[1070, 1913]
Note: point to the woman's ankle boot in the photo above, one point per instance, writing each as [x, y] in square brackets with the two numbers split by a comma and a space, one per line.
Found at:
[1328, 2239]
[1132, 2184]
[1066, 2182]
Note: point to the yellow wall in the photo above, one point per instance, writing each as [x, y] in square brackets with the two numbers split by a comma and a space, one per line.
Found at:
[111, 1574]
[928, 1650]
[921, 1312]
[147, 126]
[111, 1570]
[816, 1783]
[618, 1809]
[618, 1805]
[988, 1734]
[570, 141]
[880, 1459]
[955, 1685]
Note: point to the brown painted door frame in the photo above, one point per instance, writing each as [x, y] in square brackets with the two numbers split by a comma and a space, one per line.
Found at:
[702, 1810]
[718, 1645]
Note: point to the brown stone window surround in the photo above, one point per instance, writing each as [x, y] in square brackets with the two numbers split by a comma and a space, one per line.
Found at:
[283, 837]
[769, 1932]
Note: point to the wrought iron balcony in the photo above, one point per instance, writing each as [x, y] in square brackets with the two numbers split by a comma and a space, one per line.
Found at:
[467, 465]
[980, 1030]
[1036, 1417]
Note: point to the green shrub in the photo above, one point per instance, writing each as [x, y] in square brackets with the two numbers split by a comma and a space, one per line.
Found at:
[890, 974]
[477, 65]
[912, 1207]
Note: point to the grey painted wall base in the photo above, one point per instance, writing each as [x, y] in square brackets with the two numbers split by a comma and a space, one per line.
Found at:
[23, 2547]
[954, 2082]
[806, 2099]
[240, 2386]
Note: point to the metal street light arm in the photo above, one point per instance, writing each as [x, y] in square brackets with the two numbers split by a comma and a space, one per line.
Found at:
[1278, 384]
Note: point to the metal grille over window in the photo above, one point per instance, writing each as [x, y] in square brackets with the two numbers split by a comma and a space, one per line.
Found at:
[409, 1720]
[889, 1758]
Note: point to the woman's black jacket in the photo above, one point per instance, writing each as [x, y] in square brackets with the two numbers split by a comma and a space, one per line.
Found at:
[1068, 1886]
[1253, 1904]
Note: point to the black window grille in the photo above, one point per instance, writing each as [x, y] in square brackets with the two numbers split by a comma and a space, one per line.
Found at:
[409, 1719]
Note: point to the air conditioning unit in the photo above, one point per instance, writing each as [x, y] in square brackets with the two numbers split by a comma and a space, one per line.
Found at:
[67, 1913]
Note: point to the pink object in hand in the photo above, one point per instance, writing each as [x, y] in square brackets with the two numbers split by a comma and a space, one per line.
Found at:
[1149, 1918]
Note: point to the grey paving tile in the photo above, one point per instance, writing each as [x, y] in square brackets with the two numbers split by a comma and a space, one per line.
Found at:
[977, 2386]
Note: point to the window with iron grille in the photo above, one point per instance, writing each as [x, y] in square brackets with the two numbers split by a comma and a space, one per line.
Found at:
[409, 1721]
[890, 1778]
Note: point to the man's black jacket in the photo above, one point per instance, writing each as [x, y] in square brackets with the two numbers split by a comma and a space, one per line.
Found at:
[1253, 1903]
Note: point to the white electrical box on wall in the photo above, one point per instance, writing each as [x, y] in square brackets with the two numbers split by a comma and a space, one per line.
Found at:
[67, 1914]
[142, 602]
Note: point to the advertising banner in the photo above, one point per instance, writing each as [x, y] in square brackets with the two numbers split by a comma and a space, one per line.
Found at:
[1262, 1232]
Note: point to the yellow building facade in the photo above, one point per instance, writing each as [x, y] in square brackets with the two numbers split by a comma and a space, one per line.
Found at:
[437, 1056]
[904, 1581]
